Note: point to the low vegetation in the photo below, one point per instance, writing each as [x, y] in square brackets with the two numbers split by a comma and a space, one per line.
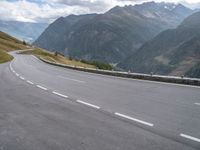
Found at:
[194, 72]
[99, 65]
[7, 44]
[50, 56]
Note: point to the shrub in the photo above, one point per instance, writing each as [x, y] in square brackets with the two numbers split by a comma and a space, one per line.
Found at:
[98, 64]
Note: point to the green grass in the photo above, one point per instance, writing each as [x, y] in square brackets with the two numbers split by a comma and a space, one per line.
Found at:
[4, 57]
[57, 59]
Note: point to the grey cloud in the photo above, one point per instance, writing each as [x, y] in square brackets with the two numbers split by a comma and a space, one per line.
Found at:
[95, 5]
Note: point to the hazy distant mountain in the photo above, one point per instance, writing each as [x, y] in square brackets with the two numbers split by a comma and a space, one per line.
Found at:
[174, 51]
[114, 35]
[23, 30]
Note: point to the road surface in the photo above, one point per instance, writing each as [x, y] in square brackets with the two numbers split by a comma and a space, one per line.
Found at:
[49, 107]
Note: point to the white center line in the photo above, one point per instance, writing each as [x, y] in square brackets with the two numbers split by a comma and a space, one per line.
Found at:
[41, 87]
[88, 104]
[190, 137]
[22, 78]
[197, 104]
[17, 74]
[65, 96]
[134, 119]
[72, 79]
[29, 82]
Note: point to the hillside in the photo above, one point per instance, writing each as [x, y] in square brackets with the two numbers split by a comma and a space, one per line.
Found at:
[8, 43]
[112, 36]
[173, 52]
[49, 56]
[56, 35]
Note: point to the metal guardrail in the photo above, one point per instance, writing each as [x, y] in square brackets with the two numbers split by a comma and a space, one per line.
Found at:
[150, 77]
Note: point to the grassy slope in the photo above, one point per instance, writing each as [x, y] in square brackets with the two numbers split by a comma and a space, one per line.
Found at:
[8, 43]
[58, 59]
[4, 57]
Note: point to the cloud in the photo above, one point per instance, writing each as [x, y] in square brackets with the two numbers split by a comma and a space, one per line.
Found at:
[27, 11]
[49, 10]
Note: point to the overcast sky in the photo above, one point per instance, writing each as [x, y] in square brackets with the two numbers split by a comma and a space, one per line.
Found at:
[49, 10]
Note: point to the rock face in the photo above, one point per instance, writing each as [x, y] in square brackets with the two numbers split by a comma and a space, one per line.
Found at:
[23, 30]
[174, 51]
[112, 36]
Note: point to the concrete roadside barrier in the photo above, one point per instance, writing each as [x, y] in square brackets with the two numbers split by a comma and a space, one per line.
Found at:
[150, 77]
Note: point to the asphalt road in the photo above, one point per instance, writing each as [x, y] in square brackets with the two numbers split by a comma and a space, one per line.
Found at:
[49, 107]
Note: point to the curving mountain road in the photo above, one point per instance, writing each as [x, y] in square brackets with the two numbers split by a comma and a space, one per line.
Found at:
[49, 107]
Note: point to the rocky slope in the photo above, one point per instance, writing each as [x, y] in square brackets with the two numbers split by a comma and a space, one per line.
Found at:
[174, 51]
[112, 36]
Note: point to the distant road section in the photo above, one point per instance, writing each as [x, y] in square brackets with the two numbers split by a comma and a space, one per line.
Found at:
[48, 107]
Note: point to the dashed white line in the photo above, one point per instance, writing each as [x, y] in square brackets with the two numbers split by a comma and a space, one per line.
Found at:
[22, 78]
[17, 74]
[88, 104]
[134, 119]
[29, 82]
[65, 96]
[190, 137]
[72, 79]
[197, 104]
[41, 87]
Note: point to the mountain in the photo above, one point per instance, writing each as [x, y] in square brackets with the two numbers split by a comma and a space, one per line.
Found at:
[173, 52]
[112, 36]
[23, 30]
[59, 32]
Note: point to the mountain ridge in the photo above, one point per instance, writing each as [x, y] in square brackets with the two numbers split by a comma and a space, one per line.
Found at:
[112, 36]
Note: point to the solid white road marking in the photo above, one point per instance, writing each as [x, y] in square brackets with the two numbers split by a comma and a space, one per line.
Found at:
[35, 57]
[88, 104]
[11, 66]
[72, 79]
[65, 96]
[190, 137]
[197, 104]
[22, 78]
[41, 87]
[29, 82]
[134, 119]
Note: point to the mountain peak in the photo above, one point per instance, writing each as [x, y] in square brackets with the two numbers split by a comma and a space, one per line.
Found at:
[182, 10]
[180, 6]
[115, 9]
